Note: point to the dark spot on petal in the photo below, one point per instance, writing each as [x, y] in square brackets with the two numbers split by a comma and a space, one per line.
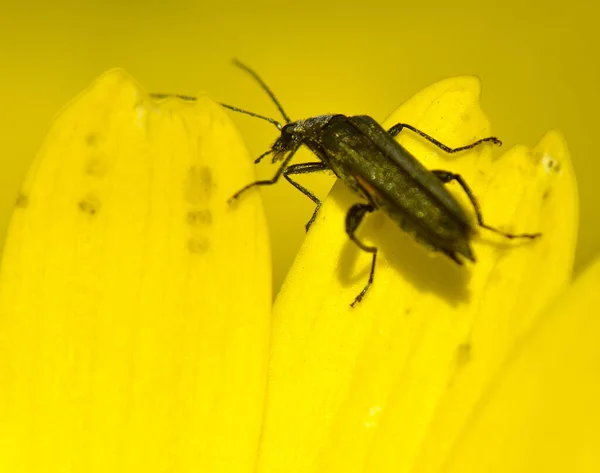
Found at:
[197, 218]
[464, 352]
[198, 185]
[187, 98]
[159, 96]
[92, 139]
[550, 164]
[198, 245]
[96, 166]
[90, 205]
[546, 194]
[22, 201]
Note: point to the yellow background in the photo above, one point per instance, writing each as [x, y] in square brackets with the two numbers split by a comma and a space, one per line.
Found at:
[538, 62]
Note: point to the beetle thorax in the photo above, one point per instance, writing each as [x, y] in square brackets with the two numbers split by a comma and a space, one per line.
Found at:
[308, 126]
[295, 133]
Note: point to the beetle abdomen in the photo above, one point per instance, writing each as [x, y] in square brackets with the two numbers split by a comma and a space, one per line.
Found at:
[373, 171]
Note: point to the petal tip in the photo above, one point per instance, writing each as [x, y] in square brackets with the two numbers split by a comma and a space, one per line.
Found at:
[467, 83]
[449, 97]
[114, 78]
[553, 143]
[469, 86]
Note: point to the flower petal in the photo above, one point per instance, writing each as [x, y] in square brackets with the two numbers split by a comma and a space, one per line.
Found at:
[134, 302]
[542, 412]
[528, 187]
[371, 388]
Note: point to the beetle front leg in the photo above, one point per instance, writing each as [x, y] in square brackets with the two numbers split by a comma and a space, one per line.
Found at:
[267, 182]
[353, 218]
[306, 168]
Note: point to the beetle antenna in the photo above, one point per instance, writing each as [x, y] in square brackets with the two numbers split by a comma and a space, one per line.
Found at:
[264, 87]
[252, 114]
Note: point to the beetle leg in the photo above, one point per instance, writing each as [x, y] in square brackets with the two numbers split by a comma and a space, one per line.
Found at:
[266, 153]
[305, 168]
[267, 182]
[353, 218]
[447, 176]
[397, 128]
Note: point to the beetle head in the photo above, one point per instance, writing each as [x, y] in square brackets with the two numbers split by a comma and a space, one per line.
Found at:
[287, 141]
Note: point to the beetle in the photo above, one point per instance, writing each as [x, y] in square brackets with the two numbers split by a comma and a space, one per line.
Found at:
[377, 168]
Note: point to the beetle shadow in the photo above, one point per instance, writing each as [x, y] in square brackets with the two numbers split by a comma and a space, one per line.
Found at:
[427, 272]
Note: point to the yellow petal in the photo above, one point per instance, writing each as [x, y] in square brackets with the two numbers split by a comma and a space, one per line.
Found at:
[373, 388]
[528, 187]
[542, 412]
[134, 302]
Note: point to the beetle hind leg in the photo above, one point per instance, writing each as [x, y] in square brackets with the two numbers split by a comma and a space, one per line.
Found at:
[447, 176]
